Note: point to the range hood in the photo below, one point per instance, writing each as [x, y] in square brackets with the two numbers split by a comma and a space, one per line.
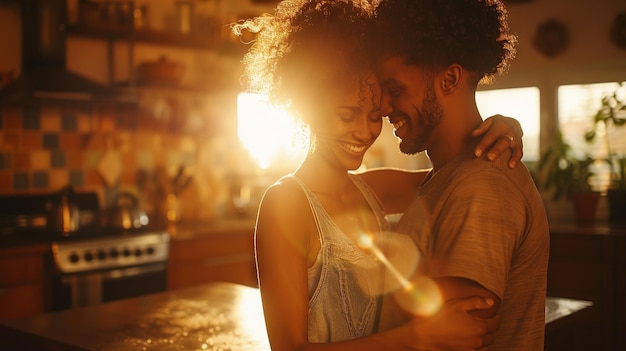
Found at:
[44, 74]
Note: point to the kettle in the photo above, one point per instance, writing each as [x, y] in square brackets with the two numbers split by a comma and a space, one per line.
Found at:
[125, 213]
[63, 214]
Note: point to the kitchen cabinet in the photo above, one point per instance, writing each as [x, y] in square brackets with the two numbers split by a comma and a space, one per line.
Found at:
[204, 255]
[620, 293]
[22, 281]
[586, 263]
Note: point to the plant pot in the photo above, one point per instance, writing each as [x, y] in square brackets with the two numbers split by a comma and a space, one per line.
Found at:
[585, 205]
[617, 206]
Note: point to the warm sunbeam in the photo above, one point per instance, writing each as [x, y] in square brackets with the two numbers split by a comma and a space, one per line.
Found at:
[269, 134]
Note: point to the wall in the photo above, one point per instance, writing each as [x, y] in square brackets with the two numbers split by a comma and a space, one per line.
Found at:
[112, 147]
[32, 161]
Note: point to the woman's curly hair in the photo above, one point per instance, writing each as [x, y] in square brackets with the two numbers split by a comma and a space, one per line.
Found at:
[438, 33]
[307, 47]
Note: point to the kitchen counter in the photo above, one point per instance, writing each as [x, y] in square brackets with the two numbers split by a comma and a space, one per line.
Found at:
[223, 226]
[215, 316]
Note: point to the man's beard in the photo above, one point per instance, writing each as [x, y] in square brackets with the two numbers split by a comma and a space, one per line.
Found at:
[429, 117]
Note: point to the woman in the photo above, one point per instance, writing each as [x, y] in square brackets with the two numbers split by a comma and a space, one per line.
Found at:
[319, 282]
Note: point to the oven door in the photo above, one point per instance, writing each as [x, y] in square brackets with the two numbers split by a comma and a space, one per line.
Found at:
[91, 288]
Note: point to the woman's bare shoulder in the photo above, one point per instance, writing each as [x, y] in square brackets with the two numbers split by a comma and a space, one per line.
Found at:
[284, 202]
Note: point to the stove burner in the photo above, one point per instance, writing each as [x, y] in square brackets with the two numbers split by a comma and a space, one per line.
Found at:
[99, 253]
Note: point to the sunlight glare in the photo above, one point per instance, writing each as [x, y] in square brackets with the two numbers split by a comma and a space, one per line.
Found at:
[251, 316]
[269, 134]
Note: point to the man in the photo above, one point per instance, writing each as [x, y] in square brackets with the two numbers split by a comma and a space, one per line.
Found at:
[480, 226]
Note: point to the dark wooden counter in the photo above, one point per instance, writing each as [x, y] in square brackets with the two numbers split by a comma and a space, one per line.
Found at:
[215, 316]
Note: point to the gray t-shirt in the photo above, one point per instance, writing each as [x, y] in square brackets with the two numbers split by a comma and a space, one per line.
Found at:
[482, 221]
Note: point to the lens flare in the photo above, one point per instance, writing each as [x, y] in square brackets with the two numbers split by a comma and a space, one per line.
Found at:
[418, 295]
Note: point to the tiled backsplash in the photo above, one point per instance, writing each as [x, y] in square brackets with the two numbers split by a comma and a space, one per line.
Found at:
[106, 148]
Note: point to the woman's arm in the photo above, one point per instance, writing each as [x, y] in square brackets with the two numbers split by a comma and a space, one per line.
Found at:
[284, 237]
[396, 187]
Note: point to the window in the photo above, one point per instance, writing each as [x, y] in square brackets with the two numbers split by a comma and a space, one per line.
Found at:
[577, 105]
[519, 103]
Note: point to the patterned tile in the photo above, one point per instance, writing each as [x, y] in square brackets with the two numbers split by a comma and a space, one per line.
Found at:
[13, 121]
[40, 159]
[40, 179]
[76, 178]
[69, 121]
[21, 161]
[51, 141]
[6, 184]
[70, 141]
[32, 140]
[50, 120]
[58, 178]
[74, 158]
[46, 148]
[10, 141]
[5, 161]
[58, 159]
[12, 118]
[21, 181]
[31, 119]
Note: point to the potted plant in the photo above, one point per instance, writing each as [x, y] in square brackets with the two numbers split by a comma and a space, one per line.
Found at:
[564, 175]
[611, 115]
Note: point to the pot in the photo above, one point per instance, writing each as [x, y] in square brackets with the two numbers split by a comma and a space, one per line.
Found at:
[160, 72]
[63, 214]
[125, 213]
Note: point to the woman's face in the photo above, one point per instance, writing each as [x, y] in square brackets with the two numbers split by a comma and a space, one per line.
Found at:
[347, 122]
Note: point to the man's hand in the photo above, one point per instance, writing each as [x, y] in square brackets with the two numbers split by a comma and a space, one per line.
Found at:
[454, 328]
[500, 133]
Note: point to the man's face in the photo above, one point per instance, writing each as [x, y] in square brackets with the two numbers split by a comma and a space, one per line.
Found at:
[410, 103]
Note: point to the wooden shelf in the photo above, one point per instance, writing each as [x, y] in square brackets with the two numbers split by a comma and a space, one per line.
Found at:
[140, 35]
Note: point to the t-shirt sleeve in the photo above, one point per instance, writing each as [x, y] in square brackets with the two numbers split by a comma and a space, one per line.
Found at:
[482, 221]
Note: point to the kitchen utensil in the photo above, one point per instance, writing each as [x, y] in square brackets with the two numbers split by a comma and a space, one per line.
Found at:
[125, 213]
[63, 214]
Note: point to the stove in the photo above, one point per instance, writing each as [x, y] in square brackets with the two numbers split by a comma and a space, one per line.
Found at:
[101, 253]
[93, 263]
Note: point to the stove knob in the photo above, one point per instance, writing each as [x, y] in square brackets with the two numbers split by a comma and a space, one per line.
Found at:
[138, 252]
[74, 258]
[102, 255]
[126, 252]
[88, 256]
[150, 250]
[113, 253]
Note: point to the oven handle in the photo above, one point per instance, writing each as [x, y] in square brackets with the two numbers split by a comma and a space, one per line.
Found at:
[133, 271]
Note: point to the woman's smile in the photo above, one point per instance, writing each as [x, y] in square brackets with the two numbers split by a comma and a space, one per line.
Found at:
[354, 148]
